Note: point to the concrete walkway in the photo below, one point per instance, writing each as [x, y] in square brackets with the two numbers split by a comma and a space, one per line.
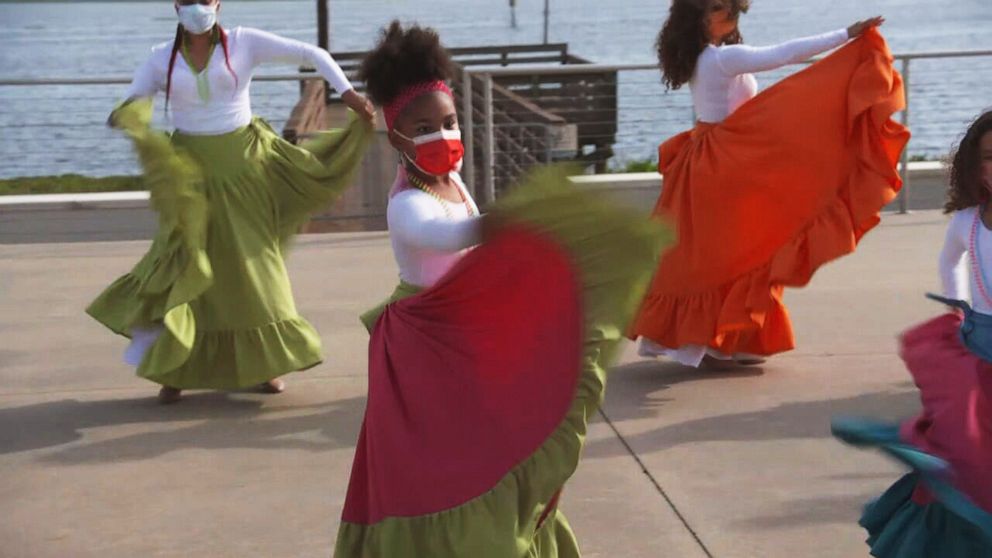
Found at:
[686, 463]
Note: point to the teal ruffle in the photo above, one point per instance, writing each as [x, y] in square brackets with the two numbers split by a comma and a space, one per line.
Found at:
[950, 526]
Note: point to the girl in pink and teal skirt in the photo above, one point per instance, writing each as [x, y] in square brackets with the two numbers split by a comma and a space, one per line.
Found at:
[210, 304]
[944, 507]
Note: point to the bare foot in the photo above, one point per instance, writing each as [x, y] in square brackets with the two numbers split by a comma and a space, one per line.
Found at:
[169, 395]
[273, 386]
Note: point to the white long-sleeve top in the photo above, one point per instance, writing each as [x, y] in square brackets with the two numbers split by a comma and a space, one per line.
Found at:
[724, 80]
[957, 278]
[228, 106]
[426, 241]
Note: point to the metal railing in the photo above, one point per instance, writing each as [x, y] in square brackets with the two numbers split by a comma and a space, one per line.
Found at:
[57, 125]
[121, 80]
[485, 130]
[500, 143]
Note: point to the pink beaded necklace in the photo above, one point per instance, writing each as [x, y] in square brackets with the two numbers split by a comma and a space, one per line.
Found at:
[976, 269]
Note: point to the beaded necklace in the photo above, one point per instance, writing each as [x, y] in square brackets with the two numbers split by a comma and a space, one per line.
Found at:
[975, 257]
[423, 187]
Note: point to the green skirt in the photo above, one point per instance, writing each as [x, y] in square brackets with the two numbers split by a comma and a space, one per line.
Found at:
[215, 277]
[403, 290]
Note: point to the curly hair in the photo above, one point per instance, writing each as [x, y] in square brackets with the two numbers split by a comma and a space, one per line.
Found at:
[966, 189]
[401, 58]
[684, 36]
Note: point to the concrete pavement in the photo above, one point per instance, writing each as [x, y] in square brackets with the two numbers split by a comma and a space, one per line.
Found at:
[688, 464]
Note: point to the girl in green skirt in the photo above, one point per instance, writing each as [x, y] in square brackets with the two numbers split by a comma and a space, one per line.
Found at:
[490, 357]
[210, 305]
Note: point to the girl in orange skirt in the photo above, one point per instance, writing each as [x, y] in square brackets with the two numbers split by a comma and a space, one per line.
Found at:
[766, 188]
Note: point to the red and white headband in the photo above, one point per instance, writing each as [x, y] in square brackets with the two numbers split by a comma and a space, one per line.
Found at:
[393, 109]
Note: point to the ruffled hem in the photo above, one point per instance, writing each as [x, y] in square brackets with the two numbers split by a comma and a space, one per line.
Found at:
[237, 359]
[473, 528]
[744, 316]
[613, 252]
[922, 515]
[745, 313]
[176, 270]
[899, 527]
[197, 359]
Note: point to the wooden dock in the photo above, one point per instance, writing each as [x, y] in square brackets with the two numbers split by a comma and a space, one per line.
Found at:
[537, 118]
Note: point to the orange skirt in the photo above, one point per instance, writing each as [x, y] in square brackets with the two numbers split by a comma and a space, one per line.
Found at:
[791, 180]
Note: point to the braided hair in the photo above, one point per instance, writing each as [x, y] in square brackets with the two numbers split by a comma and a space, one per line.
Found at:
[177, 43]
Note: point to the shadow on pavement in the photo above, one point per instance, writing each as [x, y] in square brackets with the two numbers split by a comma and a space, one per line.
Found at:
[209, 420]
[633, 394]
[637, 385]
[811, 511]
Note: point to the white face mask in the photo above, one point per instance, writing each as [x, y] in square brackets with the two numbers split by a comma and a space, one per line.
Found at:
[197, 18]
[442, 134]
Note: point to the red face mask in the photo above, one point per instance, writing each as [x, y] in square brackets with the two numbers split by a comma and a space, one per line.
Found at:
[438, 153]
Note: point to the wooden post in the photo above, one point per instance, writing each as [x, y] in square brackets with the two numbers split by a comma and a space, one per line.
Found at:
[547, 16]
[323, 29]
[324, 36]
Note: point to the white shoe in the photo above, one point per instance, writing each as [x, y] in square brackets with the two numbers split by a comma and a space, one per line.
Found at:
[142, 339]
[649, 349]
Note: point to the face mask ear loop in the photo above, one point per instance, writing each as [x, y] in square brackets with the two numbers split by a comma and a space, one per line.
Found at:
[406, 157]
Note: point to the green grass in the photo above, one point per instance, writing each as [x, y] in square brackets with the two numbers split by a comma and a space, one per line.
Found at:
[651, 165]
[636, 165]
[75, 184]
[68, 184]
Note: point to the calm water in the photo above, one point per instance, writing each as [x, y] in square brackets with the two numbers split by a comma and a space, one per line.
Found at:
[58, 130]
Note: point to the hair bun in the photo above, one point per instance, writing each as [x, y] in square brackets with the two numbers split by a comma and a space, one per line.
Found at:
[401, 58]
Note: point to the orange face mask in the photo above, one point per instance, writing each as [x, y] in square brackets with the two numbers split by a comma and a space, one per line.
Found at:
[721, 25]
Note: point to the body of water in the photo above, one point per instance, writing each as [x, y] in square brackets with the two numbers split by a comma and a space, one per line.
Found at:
[53, 130]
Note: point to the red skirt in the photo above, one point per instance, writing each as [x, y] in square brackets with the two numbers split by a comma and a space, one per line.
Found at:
[956, 394]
